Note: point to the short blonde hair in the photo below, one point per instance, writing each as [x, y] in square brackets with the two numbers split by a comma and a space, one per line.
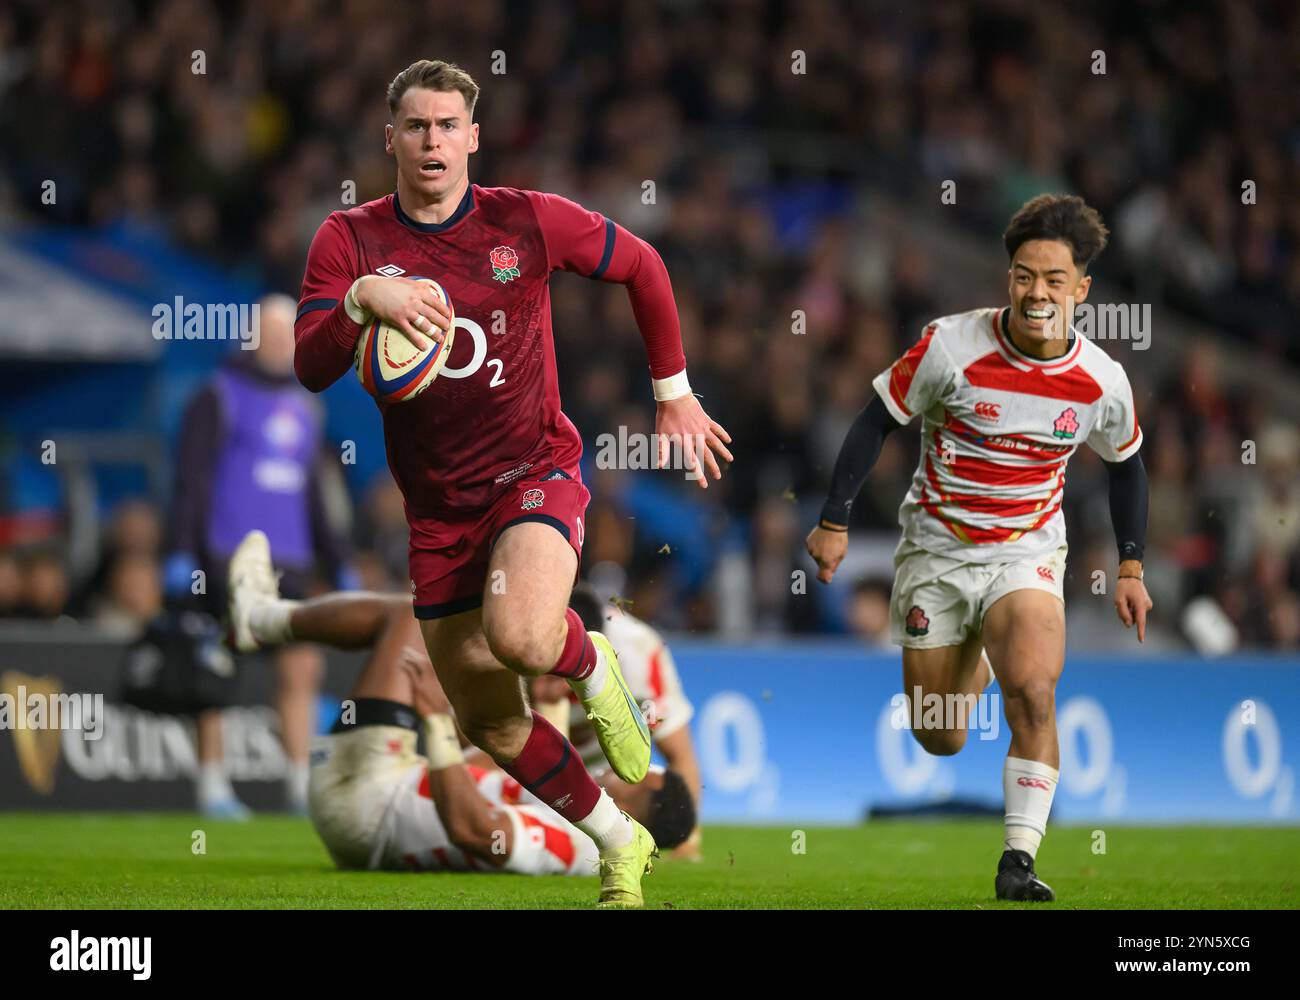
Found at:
[433, 74]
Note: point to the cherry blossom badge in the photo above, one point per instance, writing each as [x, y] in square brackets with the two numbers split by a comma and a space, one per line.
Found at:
[1066, 424]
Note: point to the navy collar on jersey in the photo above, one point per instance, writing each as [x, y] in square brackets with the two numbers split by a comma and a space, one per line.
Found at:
[1005, 320]
[463, 209]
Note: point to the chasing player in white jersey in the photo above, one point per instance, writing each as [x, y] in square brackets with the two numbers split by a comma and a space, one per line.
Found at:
[378, 804]
[1005, 396]
[651, 675]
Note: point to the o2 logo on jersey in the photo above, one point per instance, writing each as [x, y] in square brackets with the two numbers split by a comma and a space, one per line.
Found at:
[480, 354]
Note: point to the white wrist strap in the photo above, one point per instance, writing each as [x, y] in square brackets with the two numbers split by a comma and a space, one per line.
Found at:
[441, 743]
[352, 307]
[672, 387]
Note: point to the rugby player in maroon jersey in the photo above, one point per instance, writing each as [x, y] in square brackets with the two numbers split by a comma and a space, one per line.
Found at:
[486, 460]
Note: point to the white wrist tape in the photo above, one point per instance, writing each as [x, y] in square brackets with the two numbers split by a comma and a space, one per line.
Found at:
[352, 307]
[441, 742]
[672, 387]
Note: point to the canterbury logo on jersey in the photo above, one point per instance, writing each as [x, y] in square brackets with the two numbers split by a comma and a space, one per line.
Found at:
[987, 411]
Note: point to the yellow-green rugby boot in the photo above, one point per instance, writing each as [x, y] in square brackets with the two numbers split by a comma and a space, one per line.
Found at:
[620, 727]
[622, 867]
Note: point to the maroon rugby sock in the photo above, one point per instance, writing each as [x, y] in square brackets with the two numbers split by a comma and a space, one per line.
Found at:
[551, 769]
[578, 658]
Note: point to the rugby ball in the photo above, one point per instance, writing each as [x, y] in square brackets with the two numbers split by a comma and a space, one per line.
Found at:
[390, 367]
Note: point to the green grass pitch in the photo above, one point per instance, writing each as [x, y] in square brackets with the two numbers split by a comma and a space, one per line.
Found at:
[101, 860]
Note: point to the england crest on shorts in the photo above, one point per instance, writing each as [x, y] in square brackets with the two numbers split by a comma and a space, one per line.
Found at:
[531, 499]
[917, 623]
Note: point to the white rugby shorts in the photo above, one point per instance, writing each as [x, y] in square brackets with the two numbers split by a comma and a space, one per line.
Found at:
[939, 601]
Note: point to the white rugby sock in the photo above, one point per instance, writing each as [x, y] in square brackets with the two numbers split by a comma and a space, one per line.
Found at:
[606, 824]
[269, 622]
[295, 784]
[1029, 787]
[212, 784]
[594, 682]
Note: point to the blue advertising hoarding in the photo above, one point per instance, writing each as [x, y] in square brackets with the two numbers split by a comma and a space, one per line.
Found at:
[816, 731]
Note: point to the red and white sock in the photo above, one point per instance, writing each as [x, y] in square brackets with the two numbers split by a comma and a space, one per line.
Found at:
[1029, 787]
[551, 769]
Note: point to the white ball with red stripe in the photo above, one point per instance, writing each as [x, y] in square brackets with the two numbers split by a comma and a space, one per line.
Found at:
[390, 367]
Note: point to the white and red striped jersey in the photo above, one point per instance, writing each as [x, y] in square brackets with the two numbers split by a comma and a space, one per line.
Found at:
[997, 429]
[543, 843]
[370, 801]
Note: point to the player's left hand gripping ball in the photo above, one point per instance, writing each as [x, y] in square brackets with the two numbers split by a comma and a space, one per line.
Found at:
[682, 422]
[390, 367]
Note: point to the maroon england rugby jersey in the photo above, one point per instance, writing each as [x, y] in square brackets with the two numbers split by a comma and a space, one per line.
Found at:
[493, 414]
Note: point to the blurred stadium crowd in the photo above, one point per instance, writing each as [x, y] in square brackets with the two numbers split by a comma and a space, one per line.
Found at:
[758, 177]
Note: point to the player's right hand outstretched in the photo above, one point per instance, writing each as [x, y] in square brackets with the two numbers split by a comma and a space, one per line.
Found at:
[827, 549]
[407, 305]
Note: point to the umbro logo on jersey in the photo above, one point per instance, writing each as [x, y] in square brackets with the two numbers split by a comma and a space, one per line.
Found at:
[987, 411]
[390, 270]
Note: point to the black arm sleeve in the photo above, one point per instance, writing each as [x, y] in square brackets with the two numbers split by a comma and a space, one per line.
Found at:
[857, 455]
[1128, 505]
